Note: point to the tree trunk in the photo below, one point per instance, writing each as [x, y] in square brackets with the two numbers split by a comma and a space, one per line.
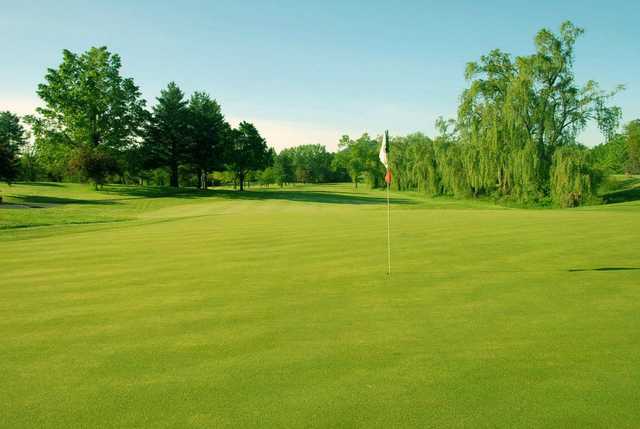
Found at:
[174, 175]
[241, 182]
[174, 165]
[203, 179]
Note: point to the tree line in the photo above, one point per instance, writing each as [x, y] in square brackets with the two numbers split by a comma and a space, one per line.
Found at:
[514, 137]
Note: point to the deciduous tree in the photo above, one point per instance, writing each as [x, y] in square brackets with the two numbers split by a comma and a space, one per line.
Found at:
[247, 151]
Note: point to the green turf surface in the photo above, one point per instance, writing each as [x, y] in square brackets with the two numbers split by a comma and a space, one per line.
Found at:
[136, 307]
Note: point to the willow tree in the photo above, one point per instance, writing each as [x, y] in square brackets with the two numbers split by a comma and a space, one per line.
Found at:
[401, 163]
[425, 173]
[413, 163]
[518, 111]
[573, 179]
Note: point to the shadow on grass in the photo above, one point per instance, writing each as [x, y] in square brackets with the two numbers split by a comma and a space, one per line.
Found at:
[44, 201]
[574, 270]
[622, 196]
[627, 189]
[50, 184]
[254, 194]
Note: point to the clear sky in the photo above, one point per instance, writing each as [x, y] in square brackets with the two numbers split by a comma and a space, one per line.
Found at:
[307, 72]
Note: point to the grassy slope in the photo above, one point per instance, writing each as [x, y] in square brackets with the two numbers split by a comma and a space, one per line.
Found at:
[272, 309]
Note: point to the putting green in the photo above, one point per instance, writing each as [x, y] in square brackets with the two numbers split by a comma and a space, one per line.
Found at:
[138, 307]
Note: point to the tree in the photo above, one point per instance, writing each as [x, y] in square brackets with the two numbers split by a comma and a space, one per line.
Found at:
[95, 163]
[52, 154]
[413, 163]
[632, 132]
[283, 168]
[310, 162]
[208, 132]
[166, 143]
[518, 112]
[267, 177]
[88, 104]
[247, 151]
[572, 179]
[354, 156]
[30, 167]
[611, 157]
[12, 138]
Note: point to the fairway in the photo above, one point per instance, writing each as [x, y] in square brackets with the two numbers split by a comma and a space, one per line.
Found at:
[142, 307]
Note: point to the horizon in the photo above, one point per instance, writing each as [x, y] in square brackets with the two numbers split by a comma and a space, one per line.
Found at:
[357, 70]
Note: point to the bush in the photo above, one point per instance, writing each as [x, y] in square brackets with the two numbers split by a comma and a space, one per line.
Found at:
[95, 164]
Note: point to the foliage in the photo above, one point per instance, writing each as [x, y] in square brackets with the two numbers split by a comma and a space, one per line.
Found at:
[611, 157]
[207, 133]
[572, 179]
[87, 102]
[306, 163]
[267, 176]
[283, 168]
[12, 138]
[518, 112]
[247, 151]
[94, 163]
[514, 137]
[165, 142]
[360, 159]
[632, 132]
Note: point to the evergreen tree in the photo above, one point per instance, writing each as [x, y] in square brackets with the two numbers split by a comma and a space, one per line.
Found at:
[12, 138]
[166, 143]
[208, 132]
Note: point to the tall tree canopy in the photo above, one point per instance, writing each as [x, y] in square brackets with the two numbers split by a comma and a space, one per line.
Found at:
[283, 172]
[12, 138]
[89, 107]
[88, 102]
[518, 112]
[166, 142]
[247, 151]
[308, 163]
[207, 134]
[360, 159]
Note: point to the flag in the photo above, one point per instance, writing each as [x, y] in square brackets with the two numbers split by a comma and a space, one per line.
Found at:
[384, 156]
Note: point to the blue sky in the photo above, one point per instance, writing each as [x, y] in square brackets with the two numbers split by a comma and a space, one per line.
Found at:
[308, 72]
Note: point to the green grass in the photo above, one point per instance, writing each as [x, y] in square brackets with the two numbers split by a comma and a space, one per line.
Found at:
[138, 307]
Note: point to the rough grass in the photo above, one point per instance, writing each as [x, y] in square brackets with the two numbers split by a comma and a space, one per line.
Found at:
[271, 309]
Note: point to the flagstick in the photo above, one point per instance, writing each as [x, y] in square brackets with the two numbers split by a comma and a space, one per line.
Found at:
[388, 231]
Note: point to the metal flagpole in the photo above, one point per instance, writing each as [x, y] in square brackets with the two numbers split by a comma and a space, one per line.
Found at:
[388, 231]
[387, 179]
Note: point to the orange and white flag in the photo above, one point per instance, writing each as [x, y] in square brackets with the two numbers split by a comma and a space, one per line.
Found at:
[384, 156]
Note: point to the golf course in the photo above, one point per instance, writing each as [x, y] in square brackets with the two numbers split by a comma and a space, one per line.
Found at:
[132, 306]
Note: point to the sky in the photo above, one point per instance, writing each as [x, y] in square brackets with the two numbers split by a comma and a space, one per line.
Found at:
[309, 72]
